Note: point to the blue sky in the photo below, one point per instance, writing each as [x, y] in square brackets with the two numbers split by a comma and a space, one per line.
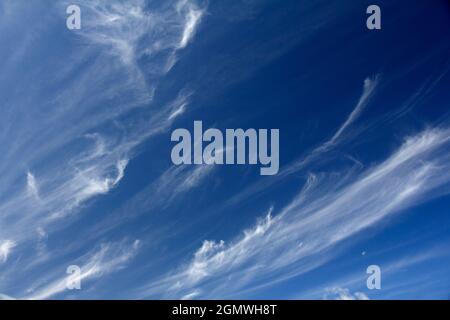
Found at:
[87, 178]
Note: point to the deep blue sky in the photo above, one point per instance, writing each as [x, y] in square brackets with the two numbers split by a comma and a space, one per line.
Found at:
[87, 178]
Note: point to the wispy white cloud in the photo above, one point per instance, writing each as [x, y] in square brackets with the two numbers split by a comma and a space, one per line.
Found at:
[5, 249]
[370, 84]
[191, 295]
[179, 111]
[123, 26]
[323, 214]
[93, 185]
[109, 258]
[73, 144]
[193, 16]
[337, 293]
[369, 89]
[304, 161]
[32, 186]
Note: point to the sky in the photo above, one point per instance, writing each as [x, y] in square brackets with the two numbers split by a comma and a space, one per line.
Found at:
[87, 180]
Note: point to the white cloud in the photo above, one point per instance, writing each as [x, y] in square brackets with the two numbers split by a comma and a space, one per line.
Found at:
[191, 295]
[122, 26]
[343, 294]
[5, 249]
[325, 212]
[109, 258]
[79, 139]
[77, 162]
[181, 109]
[32, 185]
[370, 84]
[369, 89]
[192, 19]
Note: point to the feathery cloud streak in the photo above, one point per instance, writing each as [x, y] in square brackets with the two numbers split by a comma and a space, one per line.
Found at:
[292, 242]
[75, 143]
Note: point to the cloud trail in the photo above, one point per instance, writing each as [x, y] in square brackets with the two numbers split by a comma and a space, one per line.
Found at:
[109, 258]
[369, 89]
[322, 215]
[370, 84]
[100, 155]
[5, 249]
[70, 137]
